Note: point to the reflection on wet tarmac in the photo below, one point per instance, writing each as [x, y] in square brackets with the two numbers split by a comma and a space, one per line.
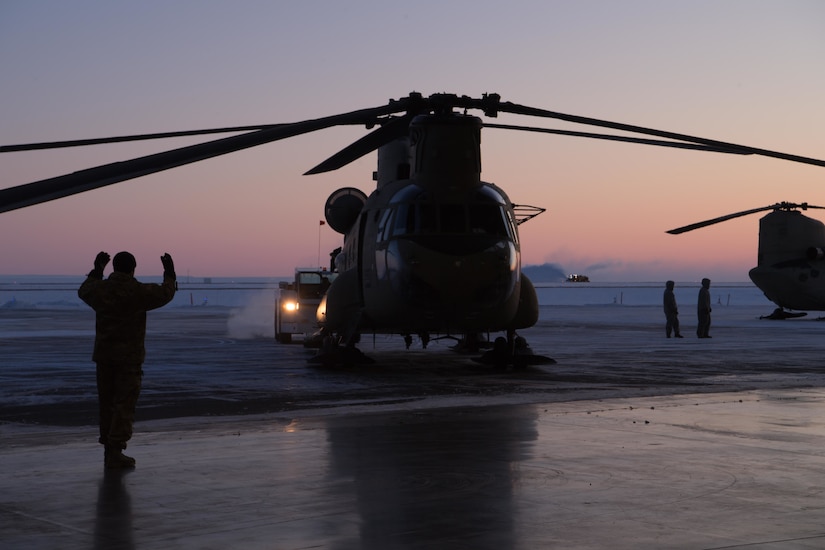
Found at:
[424, 482]
[631, 441]
[702, 471]
[113, 518]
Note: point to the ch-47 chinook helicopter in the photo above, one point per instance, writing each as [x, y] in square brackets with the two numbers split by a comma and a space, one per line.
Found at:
[790, 265]
[433, 250]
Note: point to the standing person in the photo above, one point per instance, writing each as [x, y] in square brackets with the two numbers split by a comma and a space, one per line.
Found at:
[671, 311]
[120, 303]
[703, 310]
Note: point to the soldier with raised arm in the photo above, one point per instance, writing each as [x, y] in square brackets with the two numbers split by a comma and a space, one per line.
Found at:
[120, 303]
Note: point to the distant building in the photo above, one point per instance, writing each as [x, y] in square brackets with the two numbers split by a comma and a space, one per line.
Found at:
[576, 278]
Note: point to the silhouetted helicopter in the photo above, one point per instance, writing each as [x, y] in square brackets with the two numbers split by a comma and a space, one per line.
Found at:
[433, 249]
[790, 265]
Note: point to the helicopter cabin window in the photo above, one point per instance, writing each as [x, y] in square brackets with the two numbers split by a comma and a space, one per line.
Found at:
[382, 232]
[414, 218]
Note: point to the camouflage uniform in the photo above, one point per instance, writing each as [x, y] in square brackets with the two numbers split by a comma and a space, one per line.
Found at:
[120, 303]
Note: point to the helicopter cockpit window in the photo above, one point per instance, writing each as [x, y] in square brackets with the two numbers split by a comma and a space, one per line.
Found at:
[453, 218]
[488, 214]
[414, 218]
[427, 218]
[383, 225]
[484, 213]
[488, 219]
[404, 221]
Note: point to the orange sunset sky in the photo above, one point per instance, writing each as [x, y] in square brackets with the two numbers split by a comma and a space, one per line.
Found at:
[744, 71]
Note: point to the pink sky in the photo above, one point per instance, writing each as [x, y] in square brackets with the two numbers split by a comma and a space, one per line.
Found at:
[739, 71]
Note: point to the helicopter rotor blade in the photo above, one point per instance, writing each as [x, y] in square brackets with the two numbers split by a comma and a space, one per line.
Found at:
[777, 206]
[136, 137]
[720, 219]
[387, 132]
[722, 146]
[627, 139]
[93, 178]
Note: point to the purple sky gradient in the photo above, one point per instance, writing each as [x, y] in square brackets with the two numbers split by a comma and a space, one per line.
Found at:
[743, 71]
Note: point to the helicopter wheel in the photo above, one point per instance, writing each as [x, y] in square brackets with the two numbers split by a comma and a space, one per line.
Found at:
[425, 339]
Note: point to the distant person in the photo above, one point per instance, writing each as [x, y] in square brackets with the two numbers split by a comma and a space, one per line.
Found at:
[120, 303]
[671, 311]
[703, 310]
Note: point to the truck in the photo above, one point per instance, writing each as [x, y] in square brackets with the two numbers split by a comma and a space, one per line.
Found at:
[297, 301]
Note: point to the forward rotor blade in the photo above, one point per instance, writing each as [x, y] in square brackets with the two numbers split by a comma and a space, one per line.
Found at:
[628, 139]
[777, 206]
[392, 130]
[108, 174]
[120, 139]
[718, 145]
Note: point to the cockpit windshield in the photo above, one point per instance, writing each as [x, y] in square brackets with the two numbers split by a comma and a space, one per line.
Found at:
[484, 213]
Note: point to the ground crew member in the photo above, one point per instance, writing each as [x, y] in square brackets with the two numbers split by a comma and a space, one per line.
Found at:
[703, 310]
[120, 303]
[671, 311]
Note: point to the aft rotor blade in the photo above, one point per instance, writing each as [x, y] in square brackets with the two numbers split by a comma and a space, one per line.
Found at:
[392, 130]
[720, 219]
[777, 206]
[628, 139]
[719, 145]
[108, 174]
[121, 139]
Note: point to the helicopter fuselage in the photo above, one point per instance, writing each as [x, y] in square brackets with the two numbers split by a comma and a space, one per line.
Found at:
[435, 252]
[419, 261]
[800, 287]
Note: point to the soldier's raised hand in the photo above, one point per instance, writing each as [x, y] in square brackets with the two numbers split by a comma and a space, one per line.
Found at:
[168, 264]
[101, 260]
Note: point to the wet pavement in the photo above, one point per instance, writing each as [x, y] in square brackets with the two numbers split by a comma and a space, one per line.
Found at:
[630, 441]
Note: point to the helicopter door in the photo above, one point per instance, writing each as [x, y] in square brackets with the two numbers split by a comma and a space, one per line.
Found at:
[362, 257]
[381, 244]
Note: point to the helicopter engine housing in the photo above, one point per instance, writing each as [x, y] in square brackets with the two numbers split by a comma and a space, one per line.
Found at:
[342, 208]
[445, 151]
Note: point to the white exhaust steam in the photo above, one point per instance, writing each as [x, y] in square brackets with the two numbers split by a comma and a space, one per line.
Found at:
[255, 319]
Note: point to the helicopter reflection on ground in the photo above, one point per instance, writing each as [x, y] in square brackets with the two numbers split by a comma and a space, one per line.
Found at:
[460, 493]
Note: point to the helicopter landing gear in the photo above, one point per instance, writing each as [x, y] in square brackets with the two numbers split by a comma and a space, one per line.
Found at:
[512, 351]
[333, 354]
[780, 314]
[471, 342]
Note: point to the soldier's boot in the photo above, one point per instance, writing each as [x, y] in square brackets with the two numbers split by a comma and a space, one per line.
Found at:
[113, 458]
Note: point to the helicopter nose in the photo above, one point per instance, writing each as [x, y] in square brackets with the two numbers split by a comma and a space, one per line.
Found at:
[483, 279]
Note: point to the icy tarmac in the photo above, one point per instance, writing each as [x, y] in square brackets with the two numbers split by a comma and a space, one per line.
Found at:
[631, 441]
